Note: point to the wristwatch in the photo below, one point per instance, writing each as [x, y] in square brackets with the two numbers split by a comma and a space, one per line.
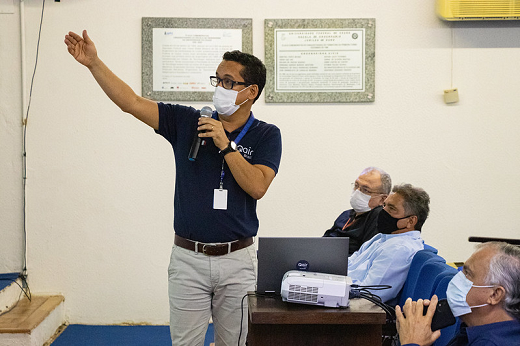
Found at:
[231, 147]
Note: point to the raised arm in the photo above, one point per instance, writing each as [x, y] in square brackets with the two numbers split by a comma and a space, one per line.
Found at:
[84, 51]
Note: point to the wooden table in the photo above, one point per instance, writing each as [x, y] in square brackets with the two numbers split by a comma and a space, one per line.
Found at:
[274, 322]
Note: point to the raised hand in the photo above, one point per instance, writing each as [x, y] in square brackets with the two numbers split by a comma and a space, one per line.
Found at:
[84, 51]
[81, 48]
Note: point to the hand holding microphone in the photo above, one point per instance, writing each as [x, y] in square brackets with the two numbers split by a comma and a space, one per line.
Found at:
[205, 112]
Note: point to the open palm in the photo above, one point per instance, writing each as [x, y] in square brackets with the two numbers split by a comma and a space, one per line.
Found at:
[81, 48]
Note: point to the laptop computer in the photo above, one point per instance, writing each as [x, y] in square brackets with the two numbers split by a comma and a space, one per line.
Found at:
[278, 255]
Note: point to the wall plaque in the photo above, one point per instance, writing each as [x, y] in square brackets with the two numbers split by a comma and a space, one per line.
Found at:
[320, 60]
[180, 54]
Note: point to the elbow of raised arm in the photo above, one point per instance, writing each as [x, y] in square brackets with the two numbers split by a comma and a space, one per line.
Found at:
[129, 107]
[126, 109]
[142, 109]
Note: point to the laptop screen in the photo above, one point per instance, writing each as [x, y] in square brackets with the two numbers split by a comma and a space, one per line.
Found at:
[278, 255]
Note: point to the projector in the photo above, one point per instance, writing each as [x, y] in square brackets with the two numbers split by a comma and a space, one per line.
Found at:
[316, 288]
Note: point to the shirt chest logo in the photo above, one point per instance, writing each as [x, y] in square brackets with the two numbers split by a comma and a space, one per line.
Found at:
[246, 152]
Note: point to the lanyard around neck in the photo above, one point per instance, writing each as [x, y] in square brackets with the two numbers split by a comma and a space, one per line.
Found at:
[237, 140]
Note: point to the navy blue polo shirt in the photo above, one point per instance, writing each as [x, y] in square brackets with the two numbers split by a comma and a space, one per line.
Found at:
[492, 334]
[194, 216]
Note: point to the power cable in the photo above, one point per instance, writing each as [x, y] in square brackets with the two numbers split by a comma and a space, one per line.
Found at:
[23, 274]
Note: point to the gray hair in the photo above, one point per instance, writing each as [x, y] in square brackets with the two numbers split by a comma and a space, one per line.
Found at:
[415, 202]
[386, 181]
[504, 270]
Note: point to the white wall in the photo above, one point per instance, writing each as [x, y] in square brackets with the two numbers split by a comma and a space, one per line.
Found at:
[100, 184]
[11, 218]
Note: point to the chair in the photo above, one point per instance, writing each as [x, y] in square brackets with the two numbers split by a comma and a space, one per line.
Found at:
[429, 275]
[443, 279]
[430, 248]
[421, 257]
[434, 278]
[449, 332]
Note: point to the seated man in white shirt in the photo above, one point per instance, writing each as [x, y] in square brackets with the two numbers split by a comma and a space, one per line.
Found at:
[386, 258]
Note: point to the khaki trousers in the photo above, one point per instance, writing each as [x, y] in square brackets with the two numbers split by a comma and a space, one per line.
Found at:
[201, 286]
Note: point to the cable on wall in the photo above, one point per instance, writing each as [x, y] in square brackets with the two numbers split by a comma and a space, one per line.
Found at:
[451, 95]
[452, 44]
[23, 274]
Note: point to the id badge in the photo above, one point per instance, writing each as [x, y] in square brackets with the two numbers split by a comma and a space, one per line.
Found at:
[220, 199]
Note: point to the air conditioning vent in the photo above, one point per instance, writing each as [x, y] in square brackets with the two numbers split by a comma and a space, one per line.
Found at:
[462, 10]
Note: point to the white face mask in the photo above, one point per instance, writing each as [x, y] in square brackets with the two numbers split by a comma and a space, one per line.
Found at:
[457, 292]
[224, 100]
[359, 201]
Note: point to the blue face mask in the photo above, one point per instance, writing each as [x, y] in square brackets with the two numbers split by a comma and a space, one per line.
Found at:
[458, 289]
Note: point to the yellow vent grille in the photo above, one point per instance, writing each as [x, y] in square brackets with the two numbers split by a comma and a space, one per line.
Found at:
[479, 9]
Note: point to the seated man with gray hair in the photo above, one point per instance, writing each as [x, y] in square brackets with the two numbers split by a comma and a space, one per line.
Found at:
[486, 296]
[368, 194]
[385, 259]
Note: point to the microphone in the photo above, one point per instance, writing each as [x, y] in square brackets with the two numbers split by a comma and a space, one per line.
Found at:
[205, 112]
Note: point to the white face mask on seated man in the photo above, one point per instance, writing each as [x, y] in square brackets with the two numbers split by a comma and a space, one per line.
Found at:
[359, 201]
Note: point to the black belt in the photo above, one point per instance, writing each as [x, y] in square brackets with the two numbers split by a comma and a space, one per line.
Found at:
[212, 249]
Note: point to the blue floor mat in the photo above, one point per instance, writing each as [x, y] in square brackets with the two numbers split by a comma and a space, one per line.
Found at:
[83, 335]
[7, 279]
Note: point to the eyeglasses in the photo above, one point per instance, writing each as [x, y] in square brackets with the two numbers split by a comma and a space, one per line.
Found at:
[226, 82]
[364, 189]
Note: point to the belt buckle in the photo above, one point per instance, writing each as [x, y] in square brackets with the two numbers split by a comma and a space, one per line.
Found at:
[216, 247]
[209, 246]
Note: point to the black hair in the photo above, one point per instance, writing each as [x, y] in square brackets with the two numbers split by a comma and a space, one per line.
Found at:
[415, 201]
[254, 71]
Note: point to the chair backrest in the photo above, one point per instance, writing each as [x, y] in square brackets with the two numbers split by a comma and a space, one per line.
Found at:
[421, 258]
[430, 248]
[429, 275]
[449, 332]
[442, 280]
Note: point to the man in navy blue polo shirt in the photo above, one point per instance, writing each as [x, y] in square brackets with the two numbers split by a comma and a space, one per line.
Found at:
[213, 260]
